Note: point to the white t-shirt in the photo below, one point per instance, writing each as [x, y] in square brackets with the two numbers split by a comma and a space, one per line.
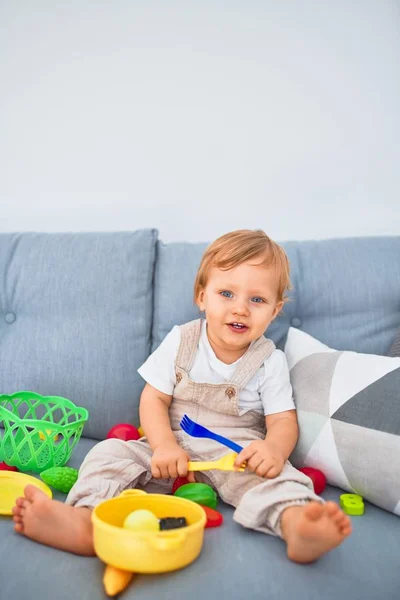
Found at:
[268, 392]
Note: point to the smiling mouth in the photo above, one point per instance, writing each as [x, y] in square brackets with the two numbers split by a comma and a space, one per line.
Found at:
[238, 327]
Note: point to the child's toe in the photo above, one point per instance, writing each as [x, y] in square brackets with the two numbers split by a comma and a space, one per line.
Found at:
[340, 518]
[19, 528]
[332, 509]
[313, 511]
[17, 510]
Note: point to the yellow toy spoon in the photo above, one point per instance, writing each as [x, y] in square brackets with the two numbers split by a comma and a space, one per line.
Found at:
[225, 463]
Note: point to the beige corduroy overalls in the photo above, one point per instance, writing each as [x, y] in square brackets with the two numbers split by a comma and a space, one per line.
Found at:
[114, 465]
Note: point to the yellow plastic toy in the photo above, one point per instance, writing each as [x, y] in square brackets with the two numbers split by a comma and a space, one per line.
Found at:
[142, 520]
[48, 432]
[352, 504]
[144, 551]
[223, 464]
[12, 486]
[116, 580]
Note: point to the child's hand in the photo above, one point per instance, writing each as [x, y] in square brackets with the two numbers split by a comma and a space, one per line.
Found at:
[169, 461]
[263, 459]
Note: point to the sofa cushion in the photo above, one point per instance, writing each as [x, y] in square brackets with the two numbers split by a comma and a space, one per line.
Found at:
[235, 563]
[395, 348]
[349, 417]
[75, 319]
[345, 293]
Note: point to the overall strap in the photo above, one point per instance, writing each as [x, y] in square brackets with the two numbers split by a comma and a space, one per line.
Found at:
[190, 336]
[252, 361]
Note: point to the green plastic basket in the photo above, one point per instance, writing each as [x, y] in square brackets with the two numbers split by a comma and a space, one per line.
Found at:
[39, 431]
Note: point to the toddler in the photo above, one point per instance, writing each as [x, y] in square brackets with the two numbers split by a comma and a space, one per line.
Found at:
[227, 376]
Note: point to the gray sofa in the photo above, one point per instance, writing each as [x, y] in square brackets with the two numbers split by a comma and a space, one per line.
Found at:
[79, 313]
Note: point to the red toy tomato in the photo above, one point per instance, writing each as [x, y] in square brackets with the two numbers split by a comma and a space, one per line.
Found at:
[179, 482]
[214, 518]
[124, 431]
[317, 477]
[4, 467]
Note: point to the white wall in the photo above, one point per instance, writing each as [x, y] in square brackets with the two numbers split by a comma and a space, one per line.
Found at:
[201, 117]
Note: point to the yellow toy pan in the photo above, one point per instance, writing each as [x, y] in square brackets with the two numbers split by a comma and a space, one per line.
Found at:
[12, 486]
[147, 552]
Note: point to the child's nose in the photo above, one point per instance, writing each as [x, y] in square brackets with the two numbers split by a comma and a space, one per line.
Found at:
[241, 308]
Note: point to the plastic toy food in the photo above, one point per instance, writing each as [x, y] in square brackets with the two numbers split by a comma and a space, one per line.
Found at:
[317, 477]
[214, 518]
[201, 493]
[60, 478]
[142, 520]
[172, 523]
[4, 467]
[124, 431]
[179, 481]
[352, 504]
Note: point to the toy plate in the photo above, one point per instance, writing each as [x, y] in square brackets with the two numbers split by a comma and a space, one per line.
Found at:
[12, 487]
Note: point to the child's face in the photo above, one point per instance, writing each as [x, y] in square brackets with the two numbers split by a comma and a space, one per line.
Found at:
[239, 305]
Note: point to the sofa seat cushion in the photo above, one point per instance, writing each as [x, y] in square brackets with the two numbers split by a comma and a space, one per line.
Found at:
[235, 564]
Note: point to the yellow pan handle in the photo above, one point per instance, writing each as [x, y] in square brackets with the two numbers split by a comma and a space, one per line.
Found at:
[131, 493]
[116, 580]
[172, 542]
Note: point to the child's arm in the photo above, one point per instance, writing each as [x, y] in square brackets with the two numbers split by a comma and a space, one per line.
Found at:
[154, 418]
[267, 457]
[169, 459]
[283, 431]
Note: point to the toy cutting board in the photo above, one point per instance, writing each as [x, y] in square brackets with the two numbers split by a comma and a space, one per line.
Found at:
[12, 486]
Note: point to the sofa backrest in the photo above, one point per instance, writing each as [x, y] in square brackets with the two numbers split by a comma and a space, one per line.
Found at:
[346, 291]
[75, 319]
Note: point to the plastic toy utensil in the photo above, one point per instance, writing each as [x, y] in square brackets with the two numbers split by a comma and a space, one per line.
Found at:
[225, 463]
[196, 430]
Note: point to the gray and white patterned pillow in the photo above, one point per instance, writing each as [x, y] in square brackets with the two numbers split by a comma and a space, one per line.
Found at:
[395, 349]
[349, 417]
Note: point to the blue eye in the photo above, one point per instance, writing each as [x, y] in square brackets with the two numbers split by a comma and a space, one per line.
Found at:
[257, 300]
[226, 294]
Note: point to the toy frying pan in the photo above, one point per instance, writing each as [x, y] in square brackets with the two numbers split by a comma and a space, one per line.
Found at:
[12, 487]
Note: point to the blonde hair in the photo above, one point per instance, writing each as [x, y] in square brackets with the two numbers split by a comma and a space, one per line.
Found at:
[237, 247]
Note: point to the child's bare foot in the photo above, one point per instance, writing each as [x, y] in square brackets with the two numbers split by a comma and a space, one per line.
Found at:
[313, 529]
[53, 523]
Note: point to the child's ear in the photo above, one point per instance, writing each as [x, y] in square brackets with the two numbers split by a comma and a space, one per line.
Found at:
[278, 309]
[200, 300]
